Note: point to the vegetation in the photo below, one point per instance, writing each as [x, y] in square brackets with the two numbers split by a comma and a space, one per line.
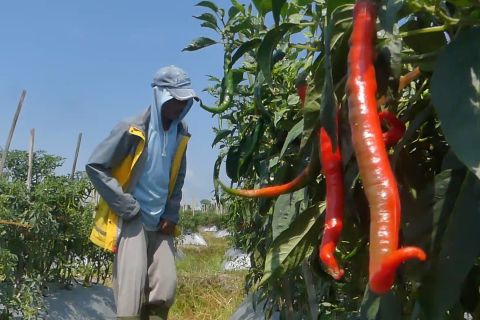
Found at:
[44, 233]
[266, 137]
[204, 290]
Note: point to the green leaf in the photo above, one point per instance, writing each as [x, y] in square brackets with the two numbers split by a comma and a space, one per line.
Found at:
[245, 47]
[425, 219]
[425, 42]
[332, 5]
[208, 4]
[292, 246]
[207, 17]
[238, 5]
[292, 135]
[209, 25]
[390, 307]
[455, 88]
[244, 24]
[248, 145]
[277, 6]
[269, 43]
[460, 247]
[233, 162]
[328, 106]
[199, 43]
[232, 12]
[221, 135]
[370, 305]
[216, 172]
[279, 115]
[286, 209]
[263, 6]
[388, 17]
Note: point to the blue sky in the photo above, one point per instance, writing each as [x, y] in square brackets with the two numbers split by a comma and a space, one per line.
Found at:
[88, 64]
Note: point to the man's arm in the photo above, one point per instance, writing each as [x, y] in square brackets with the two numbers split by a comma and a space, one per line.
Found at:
[107, 155]
[173, 204]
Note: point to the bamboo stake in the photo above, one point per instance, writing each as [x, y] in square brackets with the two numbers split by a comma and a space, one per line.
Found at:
[72, 174]
[12, 130]
[30, 159]
[17, 224]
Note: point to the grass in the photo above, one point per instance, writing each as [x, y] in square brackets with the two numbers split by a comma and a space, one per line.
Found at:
[204, 291]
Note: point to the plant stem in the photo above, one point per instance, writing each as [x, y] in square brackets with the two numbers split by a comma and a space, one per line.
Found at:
[422, 31]
[303, 47]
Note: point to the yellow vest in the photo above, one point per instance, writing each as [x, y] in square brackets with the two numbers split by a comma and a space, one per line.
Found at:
[107, 225]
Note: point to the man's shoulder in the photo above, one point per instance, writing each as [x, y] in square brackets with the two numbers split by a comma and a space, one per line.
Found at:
[139, 121]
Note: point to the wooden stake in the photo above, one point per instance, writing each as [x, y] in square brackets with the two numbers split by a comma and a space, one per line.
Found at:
[12, 130]
[72, 174]
[30, 159]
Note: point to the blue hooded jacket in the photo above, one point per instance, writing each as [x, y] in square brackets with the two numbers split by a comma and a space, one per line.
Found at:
[151, 191]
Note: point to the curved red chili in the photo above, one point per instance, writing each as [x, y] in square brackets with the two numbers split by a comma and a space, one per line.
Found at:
[377, 177]
[332, 170]
[396, 130]
[273, 191]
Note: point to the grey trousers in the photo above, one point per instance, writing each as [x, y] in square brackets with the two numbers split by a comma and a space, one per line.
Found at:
[143, 270]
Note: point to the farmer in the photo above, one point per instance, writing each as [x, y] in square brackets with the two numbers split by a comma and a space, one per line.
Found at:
[139, 170]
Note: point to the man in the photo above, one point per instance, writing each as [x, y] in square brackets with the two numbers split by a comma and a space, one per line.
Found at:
[139, 170]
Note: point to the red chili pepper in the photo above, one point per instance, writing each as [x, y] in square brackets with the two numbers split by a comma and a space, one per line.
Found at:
[402, 83]
[332, 170]
[409, 77]
[396, 131]
[377, 177]
[302, 92]
[274, 191]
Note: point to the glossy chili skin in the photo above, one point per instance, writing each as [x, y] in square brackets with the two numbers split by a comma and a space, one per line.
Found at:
[273, 191]
[331, 161]
[376, 174]
[396, 128]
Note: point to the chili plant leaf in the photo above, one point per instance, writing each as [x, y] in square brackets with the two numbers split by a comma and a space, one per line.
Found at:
[245, 47]
[424, 42]
[390, 307]
[216, 172]
[291, 247]
[459, 109]
[233, 11]
[286, 209]
[370, 305]
[292, 135]
[244, 24]
[222, 134]
[199, 43]
[460, 247]
[208, 18]
[263, 6]
[277, 6]
[233, 162]
[238, 5]
[208, 4]
[328, 107]
[268, 45]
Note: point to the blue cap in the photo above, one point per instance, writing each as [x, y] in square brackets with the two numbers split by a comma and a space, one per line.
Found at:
[176, 81]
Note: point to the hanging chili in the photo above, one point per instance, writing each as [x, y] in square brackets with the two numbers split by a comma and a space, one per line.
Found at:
[402, 83]
[274, 191]
[377, 177]
[227, 88]
[302, 92]
[331, 162]
[396, 130]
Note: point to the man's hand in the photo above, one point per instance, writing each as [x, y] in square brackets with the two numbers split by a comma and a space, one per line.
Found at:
[166, 227]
